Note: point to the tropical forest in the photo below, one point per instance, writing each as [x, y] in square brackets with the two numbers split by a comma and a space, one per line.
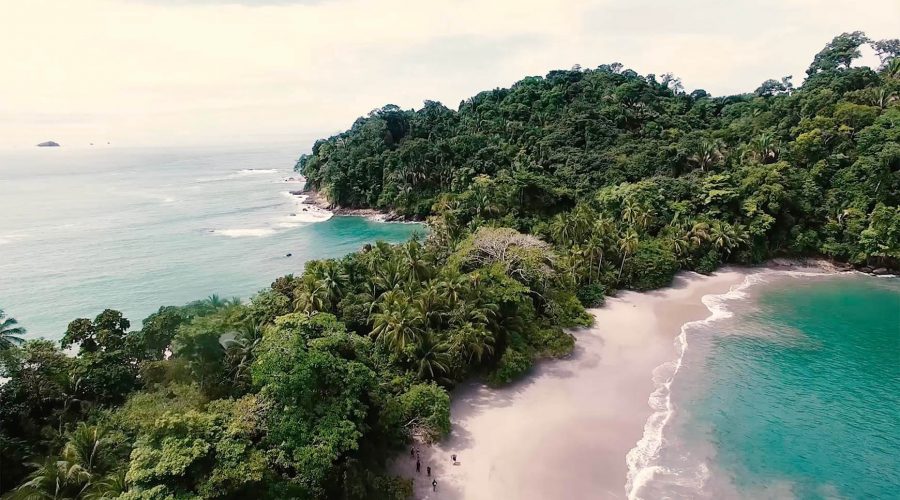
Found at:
[541, 200]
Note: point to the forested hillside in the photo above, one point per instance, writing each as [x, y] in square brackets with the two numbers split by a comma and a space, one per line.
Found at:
[543, 199]
[606, 162]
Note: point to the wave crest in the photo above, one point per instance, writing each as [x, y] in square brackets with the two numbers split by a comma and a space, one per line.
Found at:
[246, 232]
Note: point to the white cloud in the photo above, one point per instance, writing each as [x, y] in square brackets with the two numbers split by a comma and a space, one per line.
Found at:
[196, 71]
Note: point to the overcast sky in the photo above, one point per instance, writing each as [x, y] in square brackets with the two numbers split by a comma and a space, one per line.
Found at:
[174, 72]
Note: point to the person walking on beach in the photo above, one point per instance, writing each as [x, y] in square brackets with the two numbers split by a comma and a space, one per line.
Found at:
[428, 470]
[412, 452]
[418, 466]
[453, 458]
[434, 485]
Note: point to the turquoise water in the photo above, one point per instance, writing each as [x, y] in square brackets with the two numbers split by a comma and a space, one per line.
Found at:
[132, 229]
[795, 396]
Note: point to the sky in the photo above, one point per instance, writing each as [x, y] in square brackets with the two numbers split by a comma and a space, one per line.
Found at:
[186, 72]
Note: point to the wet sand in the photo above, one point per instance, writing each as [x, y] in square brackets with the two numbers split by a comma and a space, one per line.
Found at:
[565, 430]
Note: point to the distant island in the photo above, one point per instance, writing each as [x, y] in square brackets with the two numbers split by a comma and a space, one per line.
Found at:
[49, 144]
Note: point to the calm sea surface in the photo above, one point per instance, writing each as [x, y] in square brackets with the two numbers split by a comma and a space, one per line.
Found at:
[133, 229]
[797, 395]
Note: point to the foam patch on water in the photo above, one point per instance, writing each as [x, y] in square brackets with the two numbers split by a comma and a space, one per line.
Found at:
[643, 459]
[246, 232]
[239, 174]
[306, 212]
[6, 239]
[256, 171]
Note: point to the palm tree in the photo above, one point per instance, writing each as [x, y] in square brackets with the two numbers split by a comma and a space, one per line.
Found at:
[727, 237]
[699, 233]
[418, 268]
[763, 148]
[601, 239]
[432, 357]
[396, 323]
[310, 297]
[561, 229]
[635, 214]
[718, 236]
[86, 447]
[10, 332]
[628, 244]
[331, 278]
[706, 154]
[71, 474]
[241, 349]
[452, 287]
[429, 305]
[389, 274]
[681, 244]
[473, 342]
[112, 486]
[893, 68]
[212, 304]
[54, 478]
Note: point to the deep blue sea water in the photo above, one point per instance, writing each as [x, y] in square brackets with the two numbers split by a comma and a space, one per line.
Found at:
[796, 395]
[133, 229]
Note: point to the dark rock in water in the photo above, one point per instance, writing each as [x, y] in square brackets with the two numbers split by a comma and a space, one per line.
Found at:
[865, 269]
[48, 144]
[288, 255]
[881, 271]
[296, 193]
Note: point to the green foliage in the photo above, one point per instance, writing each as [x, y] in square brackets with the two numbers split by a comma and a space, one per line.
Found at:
[320, 402]
[708, 263]
[553, 341]
[513, 365]
[652, 266]
[591, 295]
[10, 332]
[209, 453]
[542, 198]
[425, 409]
[769, 173]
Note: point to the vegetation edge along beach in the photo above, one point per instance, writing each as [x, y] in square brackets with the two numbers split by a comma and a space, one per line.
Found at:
[542, 199]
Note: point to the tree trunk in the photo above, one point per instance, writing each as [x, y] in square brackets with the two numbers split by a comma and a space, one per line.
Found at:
[622, 267]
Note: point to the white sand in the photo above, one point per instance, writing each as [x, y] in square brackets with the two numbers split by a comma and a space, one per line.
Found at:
[565, 430]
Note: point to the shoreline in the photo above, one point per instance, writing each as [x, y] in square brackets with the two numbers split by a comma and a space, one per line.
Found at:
[318, 201]
[589, 425]
[566, 428]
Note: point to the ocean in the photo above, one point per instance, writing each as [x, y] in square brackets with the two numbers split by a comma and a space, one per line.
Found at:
[791, 389]
[84, 229]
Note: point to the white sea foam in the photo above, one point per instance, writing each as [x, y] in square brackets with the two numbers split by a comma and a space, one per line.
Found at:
[8, 238]
[303, 215]
[306, 212]
[643, 459]
[246, 232]
[256, 171]
[239, 174]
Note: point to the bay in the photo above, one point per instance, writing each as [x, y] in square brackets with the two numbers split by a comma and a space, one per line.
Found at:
[84, 229]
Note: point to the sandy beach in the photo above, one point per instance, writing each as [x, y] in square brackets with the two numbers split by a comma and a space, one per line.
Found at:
[565, 431]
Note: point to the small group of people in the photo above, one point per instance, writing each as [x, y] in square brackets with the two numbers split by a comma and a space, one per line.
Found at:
[414, 452]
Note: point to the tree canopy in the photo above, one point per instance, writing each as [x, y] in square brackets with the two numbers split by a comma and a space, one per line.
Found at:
[542, 199]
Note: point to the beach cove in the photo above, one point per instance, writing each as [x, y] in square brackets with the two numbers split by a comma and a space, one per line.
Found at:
[598, 424]
[564, 431]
